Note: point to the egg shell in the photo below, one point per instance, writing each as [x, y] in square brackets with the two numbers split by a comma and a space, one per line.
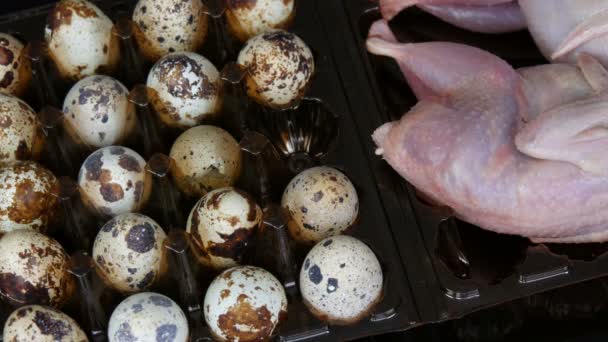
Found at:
[98, 112]
[166, 26]
[129, 252]
[20, 135]
[244, 303]
[113, 180]
[15, 69]
[280, 66]
[248, 18]
[184, 89]
[42, 324]
[322, 202]
[28, 197]
[148, 316]
[222, 224]
[205, 158]
[80, 40]
[34, 269]
[341, 280]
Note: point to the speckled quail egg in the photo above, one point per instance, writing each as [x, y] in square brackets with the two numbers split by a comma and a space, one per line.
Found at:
[148, 316]
[205, 158]
[250, 18]
[322, 202]
[43, 324]
[341, 280]
[280, 66]
[34, 269]
[244, 303]
[113, 180]
[222, 224]
[184, 89]
[98, 112]
[128, 252]
[20, 134]
[15, 70]
[166, 26]
[80, 40]
[28, 197]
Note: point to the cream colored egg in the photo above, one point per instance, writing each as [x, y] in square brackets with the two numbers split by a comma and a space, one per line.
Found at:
[28, 197]
[205, 158]
[79, 38]
[42, 324]
[280, 66]
[223, 223]
[184, 88]
[129, 252]
[34, 269]
[322, 202]
[113, 180]
[98, 112]
[166, 26]
[341, 280]
[250, 18]
[15, 70]
[20, 134]
[244, 303]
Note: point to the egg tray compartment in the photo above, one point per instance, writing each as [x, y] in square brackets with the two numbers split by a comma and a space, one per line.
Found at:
[455, 268]
[275, 146]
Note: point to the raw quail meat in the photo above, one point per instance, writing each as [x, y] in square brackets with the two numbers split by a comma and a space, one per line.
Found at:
[517, 152]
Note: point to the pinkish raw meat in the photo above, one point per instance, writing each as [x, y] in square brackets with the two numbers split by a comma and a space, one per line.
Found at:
[517, 152]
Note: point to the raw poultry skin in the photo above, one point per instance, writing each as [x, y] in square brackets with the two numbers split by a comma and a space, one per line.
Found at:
[462, 144]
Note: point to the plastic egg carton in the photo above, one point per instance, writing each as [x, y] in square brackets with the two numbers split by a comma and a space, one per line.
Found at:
[275, 146]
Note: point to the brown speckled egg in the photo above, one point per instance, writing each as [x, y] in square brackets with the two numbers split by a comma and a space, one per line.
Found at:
[42, 324]
[222, 224]
[280, 66]
[341, 280]
[28, 197]
[15, 70]
[113, 180]
[20, 135]
[322, 202]
[244, 303]
[248, 18]
[79, 38]
[98, 112]
[128, 252]
[165, 26]
[34, 269]
[205, 158]
[184, 88]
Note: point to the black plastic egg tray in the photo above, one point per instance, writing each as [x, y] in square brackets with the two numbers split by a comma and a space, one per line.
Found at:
[323, 129]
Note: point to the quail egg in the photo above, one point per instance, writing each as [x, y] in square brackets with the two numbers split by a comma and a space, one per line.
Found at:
[184, 89]
[148, 316]
[205, 158]
[222, 224]
[322, 202]
[128, 252]
[98, 112]
[34, 269]
[20, 134]
[28, 197]
[43, 324]
[244, 303]
[249, 18]
[280, 66]
[15, 70]
[166, 26]
[79, 38]
[113, 180]
[341, 280]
